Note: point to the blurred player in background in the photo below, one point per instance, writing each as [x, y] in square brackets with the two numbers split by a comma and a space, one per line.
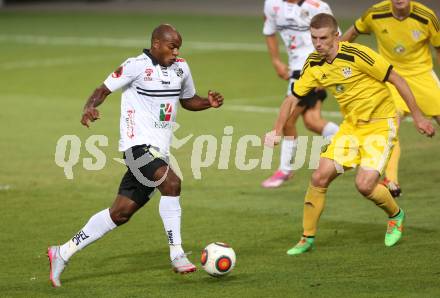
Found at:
[152, 85]
[404, 31]
[356, 77]
[291, 19]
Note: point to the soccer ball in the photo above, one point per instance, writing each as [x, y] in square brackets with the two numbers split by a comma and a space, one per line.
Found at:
[218, 259]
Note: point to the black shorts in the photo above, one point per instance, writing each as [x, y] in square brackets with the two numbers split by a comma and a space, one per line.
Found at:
[130, 186]
[310, 100]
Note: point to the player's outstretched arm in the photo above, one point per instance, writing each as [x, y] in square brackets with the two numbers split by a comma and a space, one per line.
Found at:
[423, 125]
[272, 46]
[197, 103]
[350, 35]
[90, 113]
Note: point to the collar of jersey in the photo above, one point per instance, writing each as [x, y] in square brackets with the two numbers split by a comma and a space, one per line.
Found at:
[299, 3]
[154, 60]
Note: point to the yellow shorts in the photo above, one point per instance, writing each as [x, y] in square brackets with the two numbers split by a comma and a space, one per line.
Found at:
[426, 89]
[366, 144]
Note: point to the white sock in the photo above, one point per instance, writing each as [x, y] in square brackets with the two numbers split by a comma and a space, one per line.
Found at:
[170, 212]
[288, 150]
[97, 226]
[329, 130]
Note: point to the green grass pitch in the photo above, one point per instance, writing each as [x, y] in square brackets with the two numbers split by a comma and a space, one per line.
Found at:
[49, 65]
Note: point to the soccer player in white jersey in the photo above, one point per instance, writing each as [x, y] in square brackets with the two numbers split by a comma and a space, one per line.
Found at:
[291, 19]
[152, 84]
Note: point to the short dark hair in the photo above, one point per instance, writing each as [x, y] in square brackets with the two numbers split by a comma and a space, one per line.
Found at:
[162, 30]
[324, 20]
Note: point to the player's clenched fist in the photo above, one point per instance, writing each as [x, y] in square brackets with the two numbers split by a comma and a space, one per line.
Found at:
[215, 99]
[425, 127]
[89, 114]
[271, 139]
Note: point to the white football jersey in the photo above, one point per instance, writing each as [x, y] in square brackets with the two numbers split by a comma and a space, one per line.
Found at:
[150, 97]
[292, 21]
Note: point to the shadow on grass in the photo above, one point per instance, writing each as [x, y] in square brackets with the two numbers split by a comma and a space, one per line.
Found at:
[129, 262]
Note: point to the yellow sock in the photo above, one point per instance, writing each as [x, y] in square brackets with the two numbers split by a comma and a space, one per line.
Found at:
[392, 169]
[313, 206]
[382, 198]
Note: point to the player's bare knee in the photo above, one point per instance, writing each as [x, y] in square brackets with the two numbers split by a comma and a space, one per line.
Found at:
[365, 187]
[119, 216]
[289, 129]
[171, 186]
[312, 126]
[308, 125]
[319, 179]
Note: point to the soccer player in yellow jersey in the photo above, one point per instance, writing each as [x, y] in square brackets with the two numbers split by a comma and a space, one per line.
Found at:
[356, 77]
[404, 31]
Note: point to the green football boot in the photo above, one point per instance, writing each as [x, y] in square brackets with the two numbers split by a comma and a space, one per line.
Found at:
[304, 245]
[394, 229]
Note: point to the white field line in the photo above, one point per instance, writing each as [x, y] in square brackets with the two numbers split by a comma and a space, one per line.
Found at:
[50, 62]
[5, 187]
[271, 110]
[126, 43]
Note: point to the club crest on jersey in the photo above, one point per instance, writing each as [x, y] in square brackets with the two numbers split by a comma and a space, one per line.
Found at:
[179, 72]
[399, 49]
[346, 72]
[416, 34]
[276, 9]
[117, 73]
[304, 14]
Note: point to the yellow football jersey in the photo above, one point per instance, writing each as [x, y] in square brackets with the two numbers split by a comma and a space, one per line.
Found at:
[355, 78]
[404, 43]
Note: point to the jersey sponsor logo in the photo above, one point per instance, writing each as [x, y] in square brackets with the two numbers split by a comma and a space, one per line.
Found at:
[78, 238]
[339, 88]
[148, 73]
[118, 72]
[292, 44]
[399, 49]
[166, 110]
[416, 34]
[347, 72]
[129, 121]
[165, 116]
